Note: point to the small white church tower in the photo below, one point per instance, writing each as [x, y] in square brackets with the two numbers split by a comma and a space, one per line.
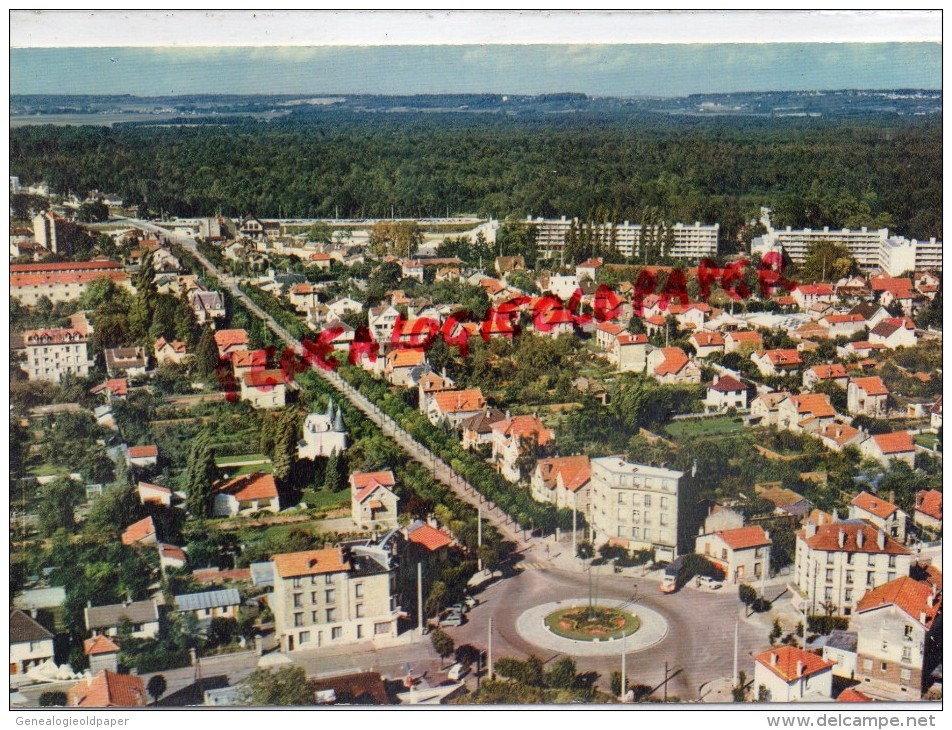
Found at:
[324, 433]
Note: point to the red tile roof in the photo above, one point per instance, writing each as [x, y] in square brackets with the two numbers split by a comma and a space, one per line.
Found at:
[310, 562]
[815, 289]
[872, 385]
[591, 264]
[138, 531]
[745, 337]
[674, 361]
[727, 384]
[523, 427]
[909, 595]
[816, 404]
[853, 695]
[365, 483]
[172, 552]
[429, 537]
[249, 486]
[898, 442]
[742, 538]
[143, 452]
[101, 644]
[20, 281]
[108, 689]
[827, 372]
[707, 339]
[839, 433]
[208, 576]
[117, 387]
[929, 503]
[575, 472]
[230, 338]
[612, 328]
[250, 359]
[405, 358]
[58, 336]
[781, 357]
[176, 345]
[455, 401]
[65, 266]
[827, 538]
[841, 318]
[631, 339]
[263, 378]
[784, 661]
[874, 505]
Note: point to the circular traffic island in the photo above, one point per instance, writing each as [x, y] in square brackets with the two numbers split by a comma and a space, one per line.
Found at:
[592, 623]
[575, 628]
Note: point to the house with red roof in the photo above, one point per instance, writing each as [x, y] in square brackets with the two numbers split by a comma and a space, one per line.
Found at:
[806, 295]
[563, 481]
[894, 332]
[835, 373]
[140, 533]
[724, 392]
[772, 363]
[837, 563]
[589, 269]
[899, 638]
[477, 430]
[108, 689]
[52, 353]
[867, 396]
[510, 436]
[171, 556]
[807, 413]
[744, 340]
[790, 674]
[928, 511]
[246, 494]
[706, 343]
[671, 365]
[142, 456]
[606, 333]
[880, 513]
[229, 341]
[112, 389]
[428, 538]
[373, 501]
[305, 296]
[629, 353]
[887, 446]
[454, 406]
[851, 694]
[103, 654]
[935, 414]
[264, 388]
[400, 363]
[842, 325]
[741, 554]
[244, 361]
[154, 494]
[170, 352]
[837, 436]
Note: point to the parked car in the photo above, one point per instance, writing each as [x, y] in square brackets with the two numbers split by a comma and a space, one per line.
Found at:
[471, 601]
[453, 618]
[458, 608]
[457, 672]
[706, 581]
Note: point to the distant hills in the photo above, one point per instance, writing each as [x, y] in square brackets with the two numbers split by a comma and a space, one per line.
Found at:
[776, 104]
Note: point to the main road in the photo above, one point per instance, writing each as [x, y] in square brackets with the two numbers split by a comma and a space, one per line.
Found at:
[439, 468]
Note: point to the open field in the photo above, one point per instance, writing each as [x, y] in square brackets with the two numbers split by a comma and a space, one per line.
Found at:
[716, 426]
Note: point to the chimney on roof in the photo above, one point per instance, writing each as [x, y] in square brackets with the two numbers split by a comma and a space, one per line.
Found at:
[773, 658]
[892, 496]
[311, 562]
[881, 539]
[922, 617]
[799, 667]
[811, 529]
[860, 538]
[766, 535]
[841, 538]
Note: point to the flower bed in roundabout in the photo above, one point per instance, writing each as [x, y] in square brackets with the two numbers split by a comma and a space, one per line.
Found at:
[592, 623]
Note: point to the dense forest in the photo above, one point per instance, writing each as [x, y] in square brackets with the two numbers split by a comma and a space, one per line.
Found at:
[812, 172]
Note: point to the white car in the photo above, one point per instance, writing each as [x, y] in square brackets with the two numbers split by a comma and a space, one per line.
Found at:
[457, 672]
[706, 581]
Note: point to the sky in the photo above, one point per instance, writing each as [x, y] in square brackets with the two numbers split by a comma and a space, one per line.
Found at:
[601, 70]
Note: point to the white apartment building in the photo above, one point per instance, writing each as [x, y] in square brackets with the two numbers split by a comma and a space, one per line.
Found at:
[636, 503]
[52, 353]
[837, 563]
[899, 255]
[690, 241]
[333, 596]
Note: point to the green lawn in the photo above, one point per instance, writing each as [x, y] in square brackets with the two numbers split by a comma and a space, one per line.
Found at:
[326, 501]
[240, 471]
[228, 460]
[47, 470]
[926, 439]
[714, 426]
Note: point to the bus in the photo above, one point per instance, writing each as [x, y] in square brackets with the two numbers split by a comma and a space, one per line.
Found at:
[674, 575]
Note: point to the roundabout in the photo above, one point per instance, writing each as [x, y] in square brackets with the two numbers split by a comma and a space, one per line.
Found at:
[573, 627]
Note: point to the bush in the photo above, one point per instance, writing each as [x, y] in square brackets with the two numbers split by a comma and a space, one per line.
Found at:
[747, 594]
[825, 624]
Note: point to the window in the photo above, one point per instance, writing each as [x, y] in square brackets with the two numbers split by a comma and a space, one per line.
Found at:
[621, 531]
[313, 580]
[723, 553]
[828, 594]
[360, 631]
[359, 610]
[757, 569]
[849, 577]
[304, 637]
[892, 561]
[336, 632]
[313, 596]
[359, 590]
[636, 515]
[904, 676]
[329, 596]
[829, 576]
[664, 503]
[331, 614]
[328, 579]
[621, 498]
[635, 532]
[647, 535]
[299, 619]
[647, 500]
[907, 654]
[848, 595]
[296, 582]
[870, 578]
[314, 618]
[882, 667]
[849, 558]
[867, 665]
[664, 520]
[382, 628]
[298, 600]
[829, 558]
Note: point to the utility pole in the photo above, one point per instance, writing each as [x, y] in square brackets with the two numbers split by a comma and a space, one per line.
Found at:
[574, 528]
[624, 683]
[419, 599]
[489, 671]
[665, 681]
